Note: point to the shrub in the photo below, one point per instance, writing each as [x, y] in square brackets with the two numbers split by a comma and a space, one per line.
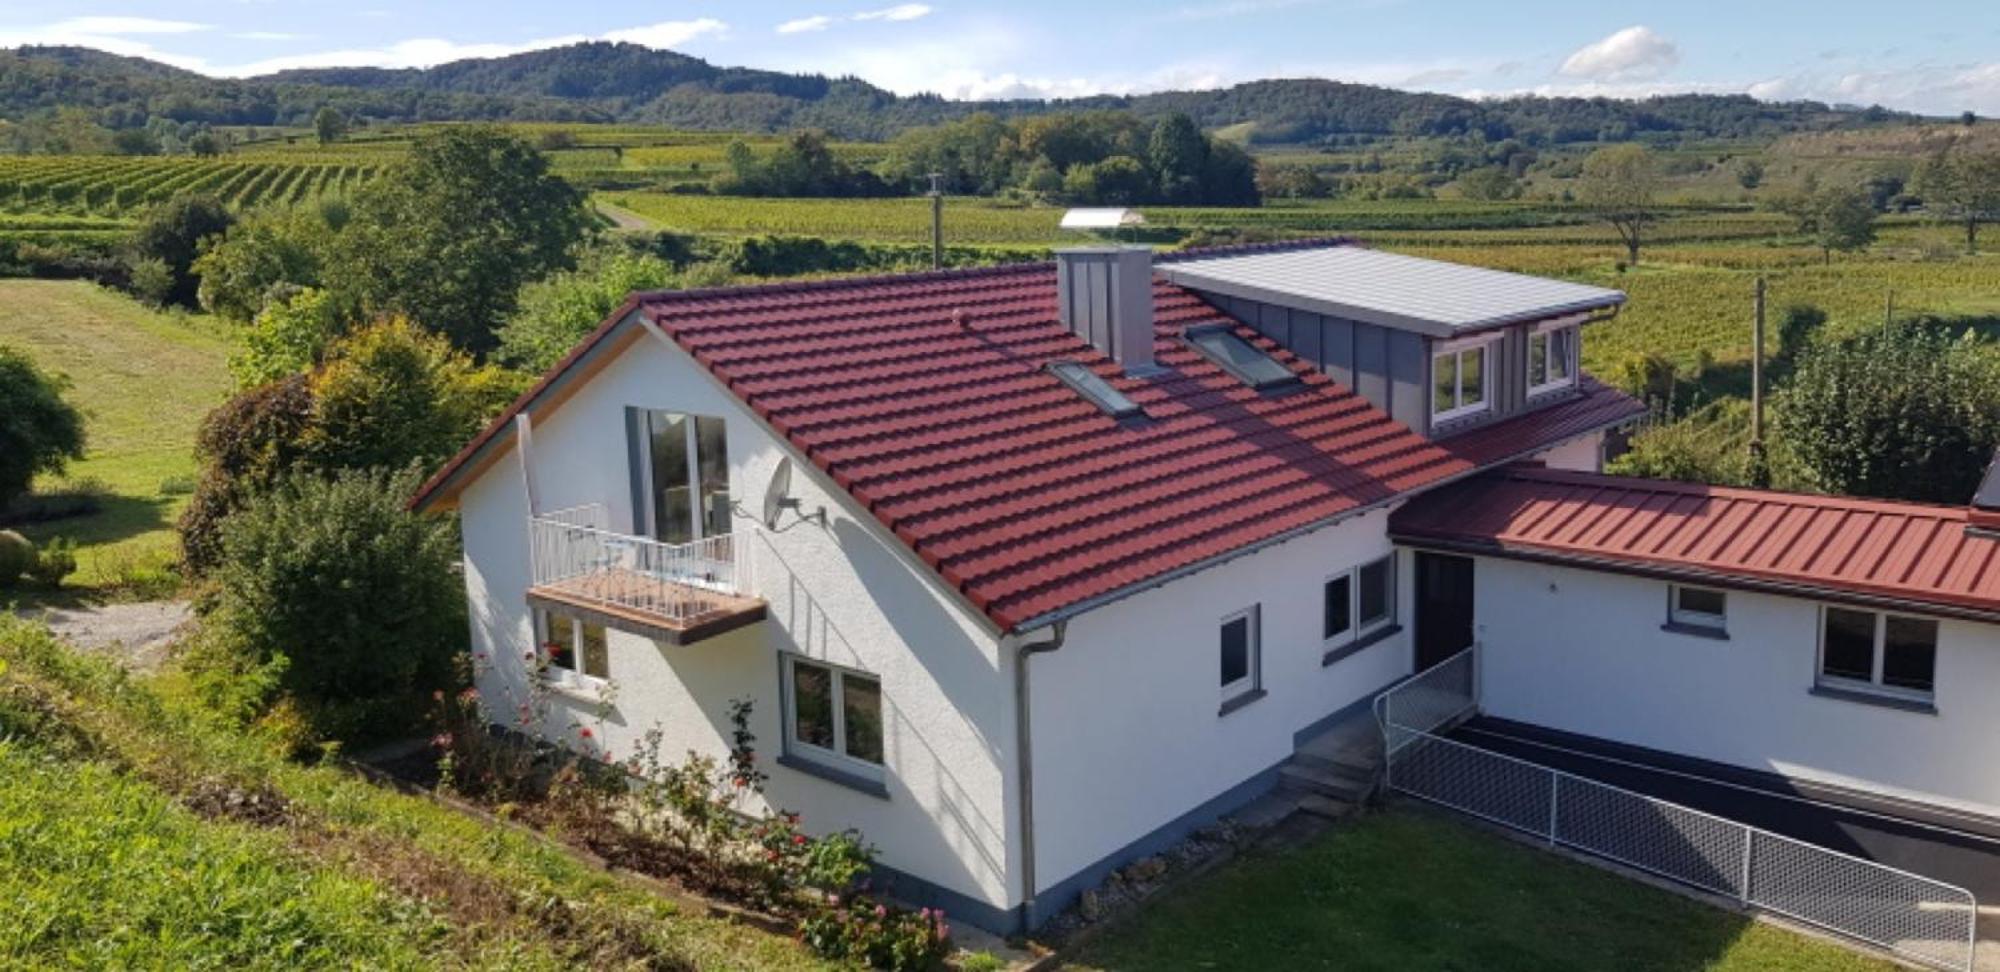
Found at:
[152, 282]
[860, 929]
[391, 394]
[560, 310]
[16, 556]
[345, 598]
[39, 432]
[288, 337]
[55, 561]
[244, 447]
[168, 239]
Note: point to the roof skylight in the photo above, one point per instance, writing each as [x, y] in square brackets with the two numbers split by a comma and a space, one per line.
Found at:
[1241, 358]
[1099, 392]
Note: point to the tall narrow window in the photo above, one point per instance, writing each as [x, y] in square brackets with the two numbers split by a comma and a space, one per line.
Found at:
[1551, 359]
[686, 476]
[1240, 659]
[833, 716]
[1458, 379]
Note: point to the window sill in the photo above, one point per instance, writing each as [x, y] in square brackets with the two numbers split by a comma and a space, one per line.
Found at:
[853, 781]
[1873, 698]
[1696, 630]
[1240, 701]
[580, 691]
[1376, 636]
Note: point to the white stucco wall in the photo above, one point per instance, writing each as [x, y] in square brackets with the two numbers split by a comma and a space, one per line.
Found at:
[1126, 732]
[842, 592]
[1585, 454]
[1583, 651]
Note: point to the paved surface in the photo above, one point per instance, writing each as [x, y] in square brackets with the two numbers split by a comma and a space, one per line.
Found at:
[137, 634]
[624, 219]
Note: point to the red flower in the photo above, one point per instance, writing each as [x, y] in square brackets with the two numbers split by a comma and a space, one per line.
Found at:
[798, 838]
[584, 732]
[442, 740]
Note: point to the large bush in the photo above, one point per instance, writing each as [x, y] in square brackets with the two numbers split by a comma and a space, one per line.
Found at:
[39, 432]
[245, 447]
[557, 312]
[343, 599]
[173, 233]
[1911, 414]
[391, 395]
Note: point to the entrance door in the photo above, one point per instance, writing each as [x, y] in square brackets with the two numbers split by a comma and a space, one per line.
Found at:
[1444, 607]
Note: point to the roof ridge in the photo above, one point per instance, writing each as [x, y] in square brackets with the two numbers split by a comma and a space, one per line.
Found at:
[1681, 487]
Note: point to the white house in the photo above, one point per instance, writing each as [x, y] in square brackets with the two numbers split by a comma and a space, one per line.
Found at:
[1031, 570]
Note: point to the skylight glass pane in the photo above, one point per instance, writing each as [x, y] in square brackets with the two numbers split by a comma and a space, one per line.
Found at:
[1242, 359]
[1087, 383]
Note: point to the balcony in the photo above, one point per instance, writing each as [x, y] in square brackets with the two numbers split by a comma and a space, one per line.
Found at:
[676, 593]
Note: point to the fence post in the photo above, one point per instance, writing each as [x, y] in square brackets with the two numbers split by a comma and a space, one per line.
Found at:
[1749, 845]
[1555, 785]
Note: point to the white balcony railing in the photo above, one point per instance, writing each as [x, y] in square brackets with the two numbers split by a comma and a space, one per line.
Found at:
[575, 557]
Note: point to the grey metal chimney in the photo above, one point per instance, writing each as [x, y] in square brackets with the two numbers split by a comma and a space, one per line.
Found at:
[1105, 296]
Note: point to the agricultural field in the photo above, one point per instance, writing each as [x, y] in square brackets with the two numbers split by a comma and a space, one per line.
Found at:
[117, 186]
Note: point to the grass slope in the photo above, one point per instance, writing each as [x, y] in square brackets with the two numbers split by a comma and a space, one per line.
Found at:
[1404, 891]
[115, 852]
[143, 380]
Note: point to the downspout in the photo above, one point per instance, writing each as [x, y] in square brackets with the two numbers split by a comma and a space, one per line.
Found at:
[1025, 753]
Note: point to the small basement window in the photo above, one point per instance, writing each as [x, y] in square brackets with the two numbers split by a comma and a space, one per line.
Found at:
[1697, 607]
[1240, 358]
[1095, 389]
[1877, 653]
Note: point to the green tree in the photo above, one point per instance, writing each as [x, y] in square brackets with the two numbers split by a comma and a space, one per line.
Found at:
[1178, 155]
[1846, 221]
[329, 125]
[343, 600]
[1491, 182]
[390, 395]
[173, 233]
[1119, 180]
[1962, 186]
[135, 141]
[449, 236]
[290, 335]
[1749, 173]
[272, 252]
[1909, 414]
[39, 432]
[1620, 184]
[558, 311]
[206, 145]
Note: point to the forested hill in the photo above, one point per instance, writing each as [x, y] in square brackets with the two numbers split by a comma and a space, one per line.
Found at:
[630, 83]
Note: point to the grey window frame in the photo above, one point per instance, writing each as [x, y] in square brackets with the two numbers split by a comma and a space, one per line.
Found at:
[1571, 334]
[1094, 388]
[1251, 685]
[1195, 336]
[644, 493]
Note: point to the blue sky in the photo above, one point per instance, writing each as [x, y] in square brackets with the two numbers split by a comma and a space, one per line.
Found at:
[1930, 56]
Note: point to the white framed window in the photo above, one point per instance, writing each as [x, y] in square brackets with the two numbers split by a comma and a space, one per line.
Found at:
[1461, 375]
[682, 476]
[1873, 651]
[1358, 602]
[1697, 607]
[573, 652]
[833, 716]
[1551, 358]
[1241, 650]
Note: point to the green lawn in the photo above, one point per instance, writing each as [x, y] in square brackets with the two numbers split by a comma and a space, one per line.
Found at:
[1408, 891]
[143, 380]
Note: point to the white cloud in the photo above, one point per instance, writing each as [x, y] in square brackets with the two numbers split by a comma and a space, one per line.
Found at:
[265, 35]
[427, 51]
[669, 33]
[1632, 54]
[114, 35]
[124, 25]
[901, 11]
[805, 25]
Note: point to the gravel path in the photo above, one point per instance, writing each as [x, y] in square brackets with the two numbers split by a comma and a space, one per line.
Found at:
[138, 634]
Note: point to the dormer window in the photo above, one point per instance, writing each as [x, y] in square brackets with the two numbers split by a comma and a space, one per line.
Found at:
[1459, 382]
[1240, 358]
[1551, 358]
[1094, 388]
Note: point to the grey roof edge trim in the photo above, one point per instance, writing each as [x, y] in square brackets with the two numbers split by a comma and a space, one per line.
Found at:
[1141, 586]
[1710, 576]
[1195, 280]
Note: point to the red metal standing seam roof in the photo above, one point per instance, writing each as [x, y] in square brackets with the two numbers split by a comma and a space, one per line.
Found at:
[926, 398]
[1908, 552]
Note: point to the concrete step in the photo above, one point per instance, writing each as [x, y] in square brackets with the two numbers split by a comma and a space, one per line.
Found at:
[1355, 765]
[1300, 778]
[1327, 807]
[1267, 811]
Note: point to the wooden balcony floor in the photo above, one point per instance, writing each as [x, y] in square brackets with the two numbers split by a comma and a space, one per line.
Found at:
[642, 604]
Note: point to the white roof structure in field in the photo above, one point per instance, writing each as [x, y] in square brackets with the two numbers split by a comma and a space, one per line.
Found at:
[1102, 219]
[1389, 289]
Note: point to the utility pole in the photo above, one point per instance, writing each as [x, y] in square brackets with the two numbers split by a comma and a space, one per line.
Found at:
[937, 220]
[1888, 311]
[1760, 474]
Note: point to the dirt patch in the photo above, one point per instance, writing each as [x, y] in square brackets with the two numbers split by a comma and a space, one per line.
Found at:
[221, 800]
[137, 636]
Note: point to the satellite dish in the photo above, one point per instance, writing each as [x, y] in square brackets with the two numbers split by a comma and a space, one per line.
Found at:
[777, 496]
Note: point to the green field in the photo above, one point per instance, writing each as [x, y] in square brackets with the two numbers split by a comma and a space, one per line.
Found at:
[1402, 891]
[116, 186]
[143, 381]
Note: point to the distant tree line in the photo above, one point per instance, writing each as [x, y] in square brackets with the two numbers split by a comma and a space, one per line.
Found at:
[1106, 157]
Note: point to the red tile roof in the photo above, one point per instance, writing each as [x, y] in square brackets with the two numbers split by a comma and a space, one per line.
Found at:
[924, 396]
[1903, 552]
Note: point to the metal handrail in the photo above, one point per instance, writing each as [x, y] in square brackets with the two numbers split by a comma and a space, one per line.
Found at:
[571, 553]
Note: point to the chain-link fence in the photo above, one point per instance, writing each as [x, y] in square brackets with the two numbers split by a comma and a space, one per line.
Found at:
[1913, 916]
